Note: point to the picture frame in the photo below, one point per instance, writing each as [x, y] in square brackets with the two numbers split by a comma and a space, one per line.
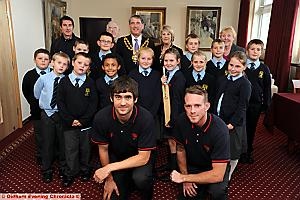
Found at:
[53, 11]
[204, 22]
[154, 18]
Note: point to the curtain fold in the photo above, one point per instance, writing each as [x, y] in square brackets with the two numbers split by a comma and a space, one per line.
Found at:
[243, 23]
[280, 40]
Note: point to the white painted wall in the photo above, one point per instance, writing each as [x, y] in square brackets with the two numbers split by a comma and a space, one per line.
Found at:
[120, 11]
[28, 26]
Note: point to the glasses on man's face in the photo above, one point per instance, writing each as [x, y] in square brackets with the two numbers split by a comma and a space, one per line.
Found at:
[105, 41]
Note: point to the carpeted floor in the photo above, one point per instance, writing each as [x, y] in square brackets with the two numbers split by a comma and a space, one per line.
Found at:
[274, 175]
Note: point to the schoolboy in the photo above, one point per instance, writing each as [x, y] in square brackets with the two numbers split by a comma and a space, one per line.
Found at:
[231, 103]
[176, 81]
[217, 65]
[111, 65]
[105, 44]
[79, 46]
[41, 58]
[192, 44]
[259, 75]
[77, 103]
[197, 75]
[203, 150]
[124, 134]
[148, 81]
[45, 90]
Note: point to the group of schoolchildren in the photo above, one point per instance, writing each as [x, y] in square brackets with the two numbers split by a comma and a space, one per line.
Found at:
[63, 104]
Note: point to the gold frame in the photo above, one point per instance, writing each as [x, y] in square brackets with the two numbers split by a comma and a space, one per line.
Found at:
[157, 17]
[53, 11]
[208, 28]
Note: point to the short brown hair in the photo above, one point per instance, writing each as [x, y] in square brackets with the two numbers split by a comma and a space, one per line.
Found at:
[255, 41]
[124, 84]
[196, 89]
[41, 50]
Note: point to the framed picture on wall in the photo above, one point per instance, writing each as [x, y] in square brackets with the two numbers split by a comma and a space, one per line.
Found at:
[154, 18]
[53, 11]
[205, 22]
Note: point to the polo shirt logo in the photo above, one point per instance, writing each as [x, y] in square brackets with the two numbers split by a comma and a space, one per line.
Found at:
[110, 135]
[134, 136]
[206, 147]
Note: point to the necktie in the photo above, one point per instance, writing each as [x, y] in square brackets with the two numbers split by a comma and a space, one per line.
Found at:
[145, 72]
[252, 66]
[102, 57]
[110, 82]
[42, 72]
[136, 45]
[230, 78]
[77, 80]
[198, 77]
[219, 65]
[55, 86]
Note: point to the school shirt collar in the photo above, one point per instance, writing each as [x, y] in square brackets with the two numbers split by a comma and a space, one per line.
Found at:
[72, 77]
[256, 62]
[234, 78]
[215, 60]
[171, 73]
[189, 55]
[38, 70]
[107, 78]
[195, 74]
[101, 53]
[142, 69]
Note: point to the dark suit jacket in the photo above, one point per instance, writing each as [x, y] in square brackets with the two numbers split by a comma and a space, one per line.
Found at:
[126, 53]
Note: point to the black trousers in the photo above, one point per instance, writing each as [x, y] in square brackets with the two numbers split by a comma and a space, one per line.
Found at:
[37, 126]
[52, 134]
[214, 191]
[140, 178]
[78, 152]
[253, 113]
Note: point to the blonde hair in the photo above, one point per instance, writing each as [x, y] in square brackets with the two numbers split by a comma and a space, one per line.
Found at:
[228, 29]
[146, 49]
[168, 29]
[199, 53]
[61, 54]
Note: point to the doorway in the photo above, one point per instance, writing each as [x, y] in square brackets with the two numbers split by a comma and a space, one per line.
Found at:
[10, 116]
[90, 29]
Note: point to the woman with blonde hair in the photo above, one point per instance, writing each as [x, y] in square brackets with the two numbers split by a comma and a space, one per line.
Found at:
[167, 39]
[228, 35]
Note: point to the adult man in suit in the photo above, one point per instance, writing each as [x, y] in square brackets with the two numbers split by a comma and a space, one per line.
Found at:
[128, 46]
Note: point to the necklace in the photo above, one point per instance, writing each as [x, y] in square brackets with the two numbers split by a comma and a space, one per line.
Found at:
[130, 48]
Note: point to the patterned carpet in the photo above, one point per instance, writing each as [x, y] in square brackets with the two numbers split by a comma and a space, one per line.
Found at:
[274, 175]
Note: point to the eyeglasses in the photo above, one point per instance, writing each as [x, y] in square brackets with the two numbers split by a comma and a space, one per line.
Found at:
[105, 41]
